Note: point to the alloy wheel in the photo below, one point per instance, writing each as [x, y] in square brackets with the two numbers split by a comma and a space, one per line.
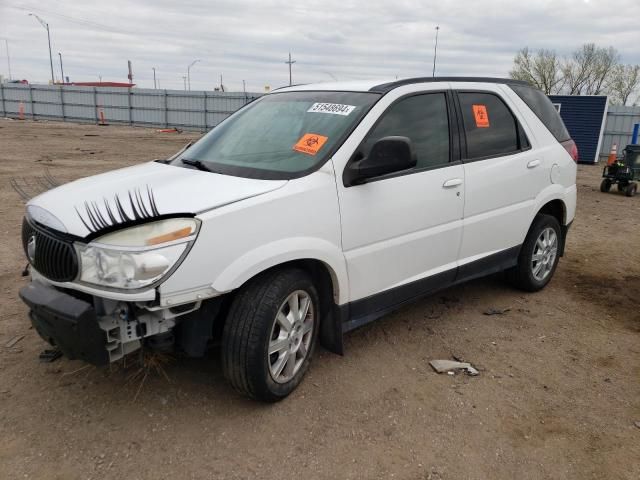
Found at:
[545, 252]
[291, 336]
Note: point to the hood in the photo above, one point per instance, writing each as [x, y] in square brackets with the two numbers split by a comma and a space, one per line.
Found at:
[144, 191]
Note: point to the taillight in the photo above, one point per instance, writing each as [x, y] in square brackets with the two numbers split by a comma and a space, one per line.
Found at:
[571, 148]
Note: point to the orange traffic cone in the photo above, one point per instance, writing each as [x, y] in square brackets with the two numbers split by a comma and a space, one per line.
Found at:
[21, 111]
[613, 156]
[101, 115]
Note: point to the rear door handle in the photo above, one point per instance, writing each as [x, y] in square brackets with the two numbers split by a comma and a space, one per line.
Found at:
[533, 163]
[453, 182]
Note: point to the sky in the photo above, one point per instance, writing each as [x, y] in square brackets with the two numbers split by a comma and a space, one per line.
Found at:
[329, 39]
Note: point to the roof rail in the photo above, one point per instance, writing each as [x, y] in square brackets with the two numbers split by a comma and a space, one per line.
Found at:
[386, 87]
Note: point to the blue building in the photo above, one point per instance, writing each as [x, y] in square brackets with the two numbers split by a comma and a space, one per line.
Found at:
[585, 117]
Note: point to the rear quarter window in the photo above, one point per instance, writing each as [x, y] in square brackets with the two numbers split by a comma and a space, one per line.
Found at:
[548, 114]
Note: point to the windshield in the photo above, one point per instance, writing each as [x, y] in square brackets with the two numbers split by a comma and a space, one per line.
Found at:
[281, 135]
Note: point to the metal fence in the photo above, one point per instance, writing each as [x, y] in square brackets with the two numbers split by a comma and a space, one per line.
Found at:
[191, 110]
[618, 128]
[195, 110]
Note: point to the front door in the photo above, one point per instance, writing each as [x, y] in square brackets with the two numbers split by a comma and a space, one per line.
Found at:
[401, 232]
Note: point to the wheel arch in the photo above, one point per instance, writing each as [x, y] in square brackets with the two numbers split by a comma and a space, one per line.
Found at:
[327, 272]
[325, 279]
[557, 209]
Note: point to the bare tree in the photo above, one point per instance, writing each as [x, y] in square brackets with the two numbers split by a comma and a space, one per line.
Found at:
[541, 69]
[607, 59]
[587, 69]
[624, 81]
[576, 69]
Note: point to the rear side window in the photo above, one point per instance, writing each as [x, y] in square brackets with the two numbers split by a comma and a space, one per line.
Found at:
[540, 104]
[421, 118]
[490, 127]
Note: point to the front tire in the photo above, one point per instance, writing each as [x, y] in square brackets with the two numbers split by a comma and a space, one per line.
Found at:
[270, 334]
[539, 255]
[605, 185]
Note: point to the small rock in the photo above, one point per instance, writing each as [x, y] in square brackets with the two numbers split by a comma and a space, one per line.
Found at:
[449, 366]
[496, 311]
[637, 424]
[13, 341]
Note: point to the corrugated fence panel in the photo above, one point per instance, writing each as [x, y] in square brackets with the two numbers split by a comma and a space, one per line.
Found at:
[619, 128]
[12, 98]
[195, 110]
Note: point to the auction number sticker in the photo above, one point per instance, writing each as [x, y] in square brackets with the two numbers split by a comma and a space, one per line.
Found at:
[310, 143]
[333, 108]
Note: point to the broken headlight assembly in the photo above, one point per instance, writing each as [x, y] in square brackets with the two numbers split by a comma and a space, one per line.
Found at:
[136, 257]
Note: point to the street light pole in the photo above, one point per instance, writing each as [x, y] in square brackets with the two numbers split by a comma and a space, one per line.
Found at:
[184, 79]
[435, 52]
[6, 44]
[61, 69]
[154, 77]
[189, 72]
[46, 26]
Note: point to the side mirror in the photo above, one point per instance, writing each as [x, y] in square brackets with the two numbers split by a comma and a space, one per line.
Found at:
[387, 155]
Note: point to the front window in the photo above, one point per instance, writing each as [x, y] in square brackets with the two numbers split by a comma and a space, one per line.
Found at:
[282, 135]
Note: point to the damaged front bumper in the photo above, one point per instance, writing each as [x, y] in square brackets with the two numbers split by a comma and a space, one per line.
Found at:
[98, 330]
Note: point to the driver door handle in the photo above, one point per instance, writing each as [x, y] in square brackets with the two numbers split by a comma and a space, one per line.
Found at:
[452, 182]
[533, 163]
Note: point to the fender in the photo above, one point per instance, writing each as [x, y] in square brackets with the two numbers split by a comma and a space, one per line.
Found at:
[276, 253]
[558, 192]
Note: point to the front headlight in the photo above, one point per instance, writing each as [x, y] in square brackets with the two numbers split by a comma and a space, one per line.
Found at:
[136, 257]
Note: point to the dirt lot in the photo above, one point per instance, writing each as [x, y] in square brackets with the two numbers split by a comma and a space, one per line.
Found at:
[557, 396]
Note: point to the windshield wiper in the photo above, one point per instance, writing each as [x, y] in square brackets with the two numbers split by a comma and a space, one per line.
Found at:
[196, 163]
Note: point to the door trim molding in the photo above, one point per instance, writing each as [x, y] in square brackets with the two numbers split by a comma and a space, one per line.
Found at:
[360, 312]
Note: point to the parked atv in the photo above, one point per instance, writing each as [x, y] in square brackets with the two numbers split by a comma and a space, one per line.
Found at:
[624, 172]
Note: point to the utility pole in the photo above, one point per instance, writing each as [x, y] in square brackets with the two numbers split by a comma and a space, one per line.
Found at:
[46, 26]
[435, 52]
[154, 78]
[221, 85]
[61, 69]
[189, 72]
[290, 62]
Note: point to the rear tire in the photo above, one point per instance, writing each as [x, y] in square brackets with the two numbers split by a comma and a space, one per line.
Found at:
[605, 186]
[539, 255]
[631, 189]
[270, 334]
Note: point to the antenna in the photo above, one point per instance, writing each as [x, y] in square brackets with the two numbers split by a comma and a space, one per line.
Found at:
[435, 52]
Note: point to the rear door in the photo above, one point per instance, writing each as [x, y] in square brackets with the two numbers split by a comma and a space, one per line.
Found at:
[503, 175]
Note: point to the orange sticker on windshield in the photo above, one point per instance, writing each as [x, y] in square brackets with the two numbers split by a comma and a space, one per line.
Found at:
[481, 116]
[310, 143]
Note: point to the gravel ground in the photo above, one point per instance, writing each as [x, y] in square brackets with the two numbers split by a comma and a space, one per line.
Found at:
[557, 395]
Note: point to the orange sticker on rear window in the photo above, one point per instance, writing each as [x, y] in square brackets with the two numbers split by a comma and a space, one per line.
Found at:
[481, 116]
[310, 143]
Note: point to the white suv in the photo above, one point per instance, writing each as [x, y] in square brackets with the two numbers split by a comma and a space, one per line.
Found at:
[306, 214]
